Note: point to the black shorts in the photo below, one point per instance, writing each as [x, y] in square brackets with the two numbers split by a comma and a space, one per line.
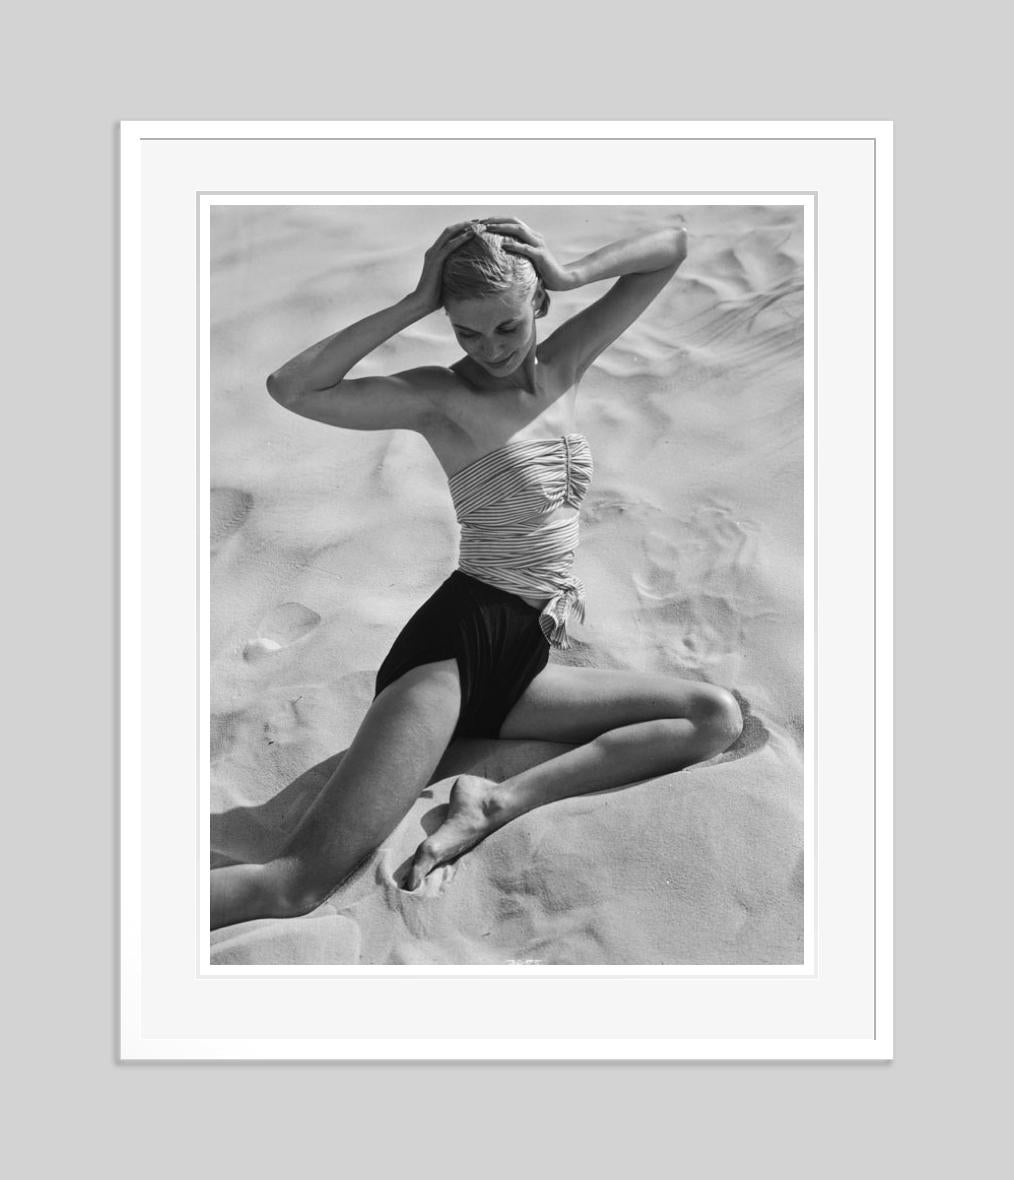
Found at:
[495, 638]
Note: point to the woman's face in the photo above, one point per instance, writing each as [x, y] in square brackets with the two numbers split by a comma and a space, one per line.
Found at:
[497, 331]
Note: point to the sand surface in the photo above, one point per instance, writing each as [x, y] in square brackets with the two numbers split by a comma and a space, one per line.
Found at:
[324, 542]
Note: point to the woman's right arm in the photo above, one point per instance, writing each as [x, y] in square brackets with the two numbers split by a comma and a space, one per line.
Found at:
[314, 383]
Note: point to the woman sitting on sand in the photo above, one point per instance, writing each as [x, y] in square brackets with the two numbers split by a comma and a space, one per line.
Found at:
[473, 660]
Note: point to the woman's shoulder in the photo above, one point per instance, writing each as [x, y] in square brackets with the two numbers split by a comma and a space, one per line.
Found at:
[430, 378]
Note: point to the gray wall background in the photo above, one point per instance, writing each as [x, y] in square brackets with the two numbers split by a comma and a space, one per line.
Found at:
[71, 73]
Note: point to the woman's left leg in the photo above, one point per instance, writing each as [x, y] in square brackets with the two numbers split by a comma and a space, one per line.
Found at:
[627, 726]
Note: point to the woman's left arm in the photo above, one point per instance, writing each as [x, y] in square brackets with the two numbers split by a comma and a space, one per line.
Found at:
[642, 264]
[663, 249]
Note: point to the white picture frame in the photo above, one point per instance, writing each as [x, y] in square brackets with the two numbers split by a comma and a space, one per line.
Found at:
[837, 1003]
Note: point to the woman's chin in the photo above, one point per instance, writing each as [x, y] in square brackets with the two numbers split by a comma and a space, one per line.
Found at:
[502, 370]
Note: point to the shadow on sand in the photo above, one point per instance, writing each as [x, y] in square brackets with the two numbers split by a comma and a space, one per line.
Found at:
[255, 834]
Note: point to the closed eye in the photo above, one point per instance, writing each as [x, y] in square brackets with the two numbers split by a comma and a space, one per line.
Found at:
[505, 330]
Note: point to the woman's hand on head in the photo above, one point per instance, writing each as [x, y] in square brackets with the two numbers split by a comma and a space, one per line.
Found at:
[427, 291]
[523, 240]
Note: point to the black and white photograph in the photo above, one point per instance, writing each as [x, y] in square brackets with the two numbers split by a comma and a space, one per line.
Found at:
[507, 594]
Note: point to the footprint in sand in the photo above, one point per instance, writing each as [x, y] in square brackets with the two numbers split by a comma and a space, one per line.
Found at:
[229, 509]
[282, 627]
[693, 585]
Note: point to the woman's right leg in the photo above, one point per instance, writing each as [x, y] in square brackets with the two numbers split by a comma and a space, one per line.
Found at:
[391, 760]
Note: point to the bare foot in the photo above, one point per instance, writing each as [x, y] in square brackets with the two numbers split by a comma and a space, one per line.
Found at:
[471, 815]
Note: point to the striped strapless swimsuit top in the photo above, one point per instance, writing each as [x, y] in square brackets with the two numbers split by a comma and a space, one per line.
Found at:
[502, 499]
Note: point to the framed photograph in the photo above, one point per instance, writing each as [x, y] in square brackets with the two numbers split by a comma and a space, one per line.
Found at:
[506, 590]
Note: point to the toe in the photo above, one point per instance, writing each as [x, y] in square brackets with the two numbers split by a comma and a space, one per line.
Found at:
[424, 862]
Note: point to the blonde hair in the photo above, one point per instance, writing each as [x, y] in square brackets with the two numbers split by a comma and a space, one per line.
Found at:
[481, 266]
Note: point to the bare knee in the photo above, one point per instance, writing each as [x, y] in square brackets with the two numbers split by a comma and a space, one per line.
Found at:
[716, 717]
